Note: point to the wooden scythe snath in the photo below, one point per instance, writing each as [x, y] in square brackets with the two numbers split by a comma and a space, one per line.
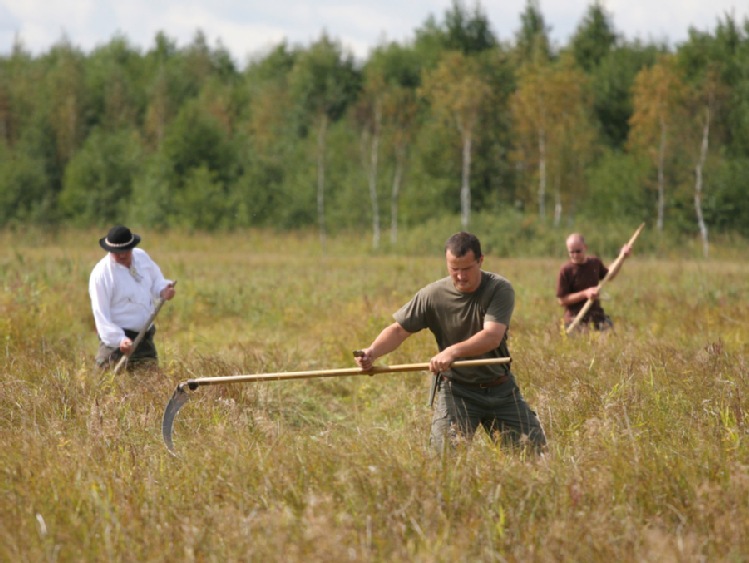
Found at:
[615, 267]
[126, 357]
[181, 396]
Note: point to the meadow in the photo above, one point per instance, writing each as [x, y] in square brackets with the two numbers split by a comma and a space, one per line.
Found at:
[647, 426]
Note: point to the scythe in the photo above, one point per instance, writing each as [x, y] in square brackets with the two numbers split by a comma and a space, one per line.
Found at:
[182, 392]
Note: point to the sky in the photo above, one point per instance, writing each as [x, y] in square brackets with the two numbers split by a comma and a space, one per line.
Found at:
[248, 28]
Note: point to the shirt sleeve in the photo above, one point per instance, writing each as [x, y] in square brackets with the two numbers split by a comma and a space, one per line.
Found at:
[100, 293]
[563, 284]
[158, 281]
[413, 316]
[501, 305]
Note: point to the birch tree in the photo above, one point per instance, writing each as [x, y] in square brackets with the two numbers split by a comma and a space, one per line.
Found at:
[368, 115]
[457, 92]
[392, 76]
[553, 129]
[657, 110]
[400, 110]
[709, 97]
[322, 82]
[532, 39]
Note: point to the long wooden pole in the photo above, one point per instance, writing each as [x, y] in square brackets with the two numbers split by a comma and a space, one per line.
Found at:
[615, 267]
[192, 384]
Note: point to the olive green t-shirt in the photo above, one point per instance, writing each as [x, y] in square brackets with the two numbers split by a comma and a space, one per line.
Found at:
[453, 316]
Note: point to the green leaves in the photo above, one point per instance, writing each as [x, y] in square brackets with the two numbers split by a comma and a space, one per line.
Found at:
[454, 120]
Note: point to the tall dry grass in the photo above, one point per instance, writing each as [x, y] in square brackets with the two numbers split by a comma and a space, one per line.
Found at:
[648, 457]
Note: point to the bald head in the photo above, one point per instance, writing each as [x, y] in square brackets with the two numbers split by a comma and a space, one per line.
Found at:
[576, 248]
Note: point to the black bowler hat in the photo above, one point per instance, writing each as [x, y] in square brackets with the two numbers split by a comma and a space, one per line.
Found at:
[119, 239]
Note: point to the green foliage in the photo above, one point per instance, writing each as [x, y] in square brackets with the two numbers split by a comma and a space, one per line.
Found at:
[726, 197]
[511, 234]
[152, 192]
[120, 132]
[196, 138]
[532, 43]
[468, 31]
[323, 81]
[98, 181]
[203, 202]
[430, 42]
[594, 37]
[274, 65]
[724, 54]
[23, 189]
[116, 97]
[399, 65]
[611, 83]
[614, 189]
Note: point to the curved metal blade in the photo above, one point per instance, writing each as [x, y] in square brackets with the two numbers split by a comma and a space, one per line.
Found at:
[179, 398]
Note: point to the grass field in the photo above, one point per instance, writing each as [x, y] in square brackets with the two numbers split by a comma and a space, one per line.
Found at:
[647, 427]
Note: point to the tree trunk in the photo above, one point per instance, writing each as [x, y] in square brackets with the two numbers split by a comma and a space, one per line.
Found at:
[321, 133]
[400, 159]
[557, 202]
[698, 186]
[542, 174]
[661, 181]
[373, 163]
[157, 110]
[465, 187]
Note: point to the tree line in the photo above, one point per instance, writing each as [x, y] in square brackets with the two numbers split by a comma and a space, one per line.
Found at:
[452, 121]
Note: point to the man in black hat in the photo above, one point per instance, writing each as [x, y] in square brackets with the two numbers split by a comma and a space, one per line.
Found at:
[124, 287]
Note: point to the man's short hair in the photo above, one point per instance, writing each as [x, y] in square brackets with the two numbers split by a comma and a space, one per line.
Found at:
[577, 237]
[460, 243]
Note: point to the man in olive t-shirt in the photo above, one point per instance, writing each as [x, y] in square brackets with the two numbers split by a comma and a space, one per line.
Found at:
[468, 313]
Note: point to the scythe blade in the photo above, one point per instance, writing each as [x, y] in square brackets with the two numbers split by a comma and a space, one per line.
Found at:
[179, 398]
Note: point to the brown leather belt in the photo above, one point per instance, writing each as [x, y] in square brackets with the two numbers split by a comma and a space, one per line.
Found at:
[494, 383]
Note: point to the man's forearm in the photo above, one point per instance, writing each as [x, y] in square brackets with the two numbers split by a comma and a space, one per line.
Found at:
[483, 341]
[572, 298]
[388, 340]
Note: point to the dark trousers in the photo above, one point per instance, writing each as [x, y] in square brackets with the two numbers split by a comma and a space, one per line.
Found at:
[601, 324]
[144, 354]
[460, 410]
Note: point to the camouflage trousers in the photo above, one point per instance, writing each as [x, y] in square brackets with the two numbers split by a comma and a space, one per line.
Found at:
[460, 409]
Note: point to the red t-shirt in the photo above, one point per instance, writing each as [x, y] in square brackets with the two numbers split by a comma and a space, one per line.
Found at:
[577, 277]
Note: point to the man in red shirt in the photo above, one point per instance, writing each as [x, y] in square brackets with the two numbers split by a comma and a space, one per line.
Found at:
[578, 281]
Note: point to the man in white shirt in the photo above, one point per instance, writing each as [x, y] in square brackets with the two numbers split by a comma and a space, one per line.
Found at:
[124, 288]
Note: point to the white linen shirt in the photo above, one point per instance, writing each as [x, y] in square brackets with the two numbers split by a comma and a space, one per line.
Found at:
[123, 298]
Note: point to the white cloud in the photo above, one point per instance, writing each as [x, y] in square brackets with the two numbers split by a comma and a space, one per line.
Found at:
[668, 20]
